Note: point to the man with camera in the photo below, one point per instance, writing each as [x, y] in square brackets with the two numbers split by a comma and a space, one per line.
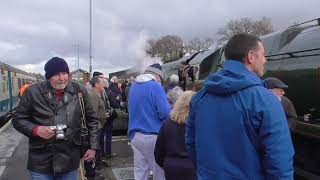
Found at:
[49, 114]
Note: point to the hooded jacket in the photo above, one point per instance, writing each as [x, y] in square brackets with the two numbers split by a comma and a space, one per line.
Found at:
[237, 129]
[148, 106]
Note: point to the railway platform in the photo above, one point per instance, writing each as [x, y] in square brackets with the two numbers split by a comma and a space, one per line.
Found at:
[14, 156]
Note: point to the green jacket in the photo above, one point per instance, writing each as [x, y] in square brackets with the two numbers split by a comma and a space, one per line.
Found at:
[98, 106]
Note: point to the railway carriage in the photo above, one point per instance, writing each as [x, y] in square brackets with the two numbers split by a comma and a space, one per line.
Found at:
[11, 80]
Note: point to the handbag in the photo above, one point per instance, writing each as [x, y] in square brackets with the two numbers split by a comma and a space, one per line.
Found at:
[84, 133]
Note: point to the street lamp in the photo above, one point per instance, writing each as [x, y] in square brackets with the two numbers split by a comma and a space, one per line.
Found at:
[78, 46]
[90, 39]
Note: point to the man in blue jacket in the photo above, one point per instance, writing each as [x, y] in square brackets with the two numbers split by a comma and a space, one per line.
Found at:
[237, 128]
[148, 107]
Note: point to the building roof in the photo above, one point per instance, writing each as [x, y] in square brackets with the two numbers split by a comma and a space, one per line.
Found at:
[13, 69]
[79, 70]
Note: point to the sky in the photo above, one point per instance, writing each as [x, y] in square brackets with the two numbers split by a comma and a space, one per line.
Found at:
[31, 32]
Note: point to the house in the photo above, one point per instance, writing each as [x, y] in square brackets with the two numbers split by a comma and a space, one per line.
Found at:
[80, 75]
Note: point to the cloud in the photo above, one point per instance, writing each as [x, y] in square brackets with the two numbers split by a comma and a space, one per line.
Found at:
[36, 68]
[7, 46]
[34, 31]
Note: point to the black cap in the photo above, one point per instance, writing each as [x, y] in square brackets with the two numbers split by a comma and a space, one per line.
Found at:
[272, 82]
[96, 73]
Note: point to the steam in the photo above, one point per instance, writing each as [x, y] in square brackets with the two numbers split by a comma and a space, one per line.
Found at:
[141, 59]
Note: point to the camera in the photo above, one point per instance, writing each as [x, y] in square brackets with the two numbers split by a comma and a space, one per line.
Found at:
[59, 130]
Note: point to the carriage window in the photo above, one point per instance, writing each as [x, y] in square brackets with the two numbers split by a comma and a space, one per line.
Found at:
[19, 83]
[222, 60]
[4, 84]
[209, 64]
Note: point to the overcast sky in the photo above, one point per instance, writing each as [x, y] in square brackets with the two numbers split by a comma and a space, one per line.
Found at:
[31, 32]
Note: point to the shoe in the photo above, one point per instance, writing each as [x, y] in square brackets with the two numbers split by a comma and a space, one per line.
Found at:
[111, 155]
[96, 178]
[103, 163]
[98, 168]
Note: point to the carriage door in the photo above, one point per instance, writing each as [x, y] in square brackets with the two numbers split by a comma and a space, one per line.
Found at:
[9, 85]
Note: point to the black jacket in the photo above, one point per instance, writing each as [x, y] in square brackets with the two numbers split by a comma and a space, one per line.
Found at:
[39, 107]
[290, 112]
[170, 152]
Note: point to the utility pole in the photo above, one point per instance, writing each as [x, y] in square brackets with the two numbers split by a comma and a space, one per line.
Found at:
[90, 39]
[78, 47]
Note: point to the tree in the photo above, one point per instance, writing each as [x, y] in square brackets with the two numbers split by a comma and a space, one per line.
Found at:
[245, 25]
[168, 48]
[197, 44]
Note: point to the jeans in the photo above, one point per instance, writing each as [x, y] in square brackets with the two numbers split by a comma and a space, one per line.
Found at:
[72, 175]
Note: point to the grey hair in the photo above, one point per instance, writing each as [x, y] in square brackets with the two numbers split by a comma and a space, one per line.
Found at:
[106, 83]
[174, 94]
[174, 78]
[113, 78]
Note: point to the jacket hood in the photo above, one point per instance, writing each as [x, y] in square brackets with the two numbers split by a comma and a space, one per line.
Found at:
[234, 77]
[144, 78]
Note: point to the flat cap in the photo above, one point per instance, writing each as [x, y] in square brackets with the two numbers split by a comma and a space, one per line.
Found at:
[272, 82]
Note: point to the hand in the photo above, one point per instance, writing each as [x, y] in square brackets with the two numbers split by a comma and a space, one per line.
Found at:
[44, 132]
[89, 155]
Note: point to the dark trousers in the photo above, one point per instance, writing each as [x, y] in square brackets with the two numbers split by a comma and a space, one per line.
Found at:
[102, 144]
[90, 172]
[107, 131]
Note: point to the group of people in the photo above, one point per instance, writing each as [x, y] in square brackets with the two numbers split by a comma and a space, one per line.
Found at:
[236, 127]
[233, 128]
[118, 89]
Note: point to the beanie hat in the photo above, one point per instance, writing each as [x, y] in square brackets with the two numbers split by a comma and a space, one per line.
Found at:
[96, 73]
[55, 65]
[156, 69]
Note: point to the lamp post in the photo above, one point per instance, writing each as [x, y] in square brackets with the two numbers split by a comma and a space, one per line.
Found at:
[78, 46]
[90, 39]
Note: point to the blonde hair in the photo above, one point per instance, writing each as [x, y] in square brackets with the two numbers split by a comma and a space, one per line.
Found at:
[180, 109]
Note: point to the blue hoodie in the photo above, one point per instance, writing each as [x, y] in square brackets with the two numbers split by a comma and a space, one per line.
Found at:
[148, 106]
[237, 129]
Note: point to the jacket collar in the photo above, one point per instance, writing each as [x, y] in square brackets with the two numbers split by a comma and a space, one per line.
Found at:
[46, 87]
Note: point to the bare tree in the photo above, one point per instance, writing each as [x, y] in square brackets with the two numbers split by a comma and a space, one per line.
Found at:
[168, 48]
[245, 25]
[197, 44]
[262, 27]
[208, 42]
